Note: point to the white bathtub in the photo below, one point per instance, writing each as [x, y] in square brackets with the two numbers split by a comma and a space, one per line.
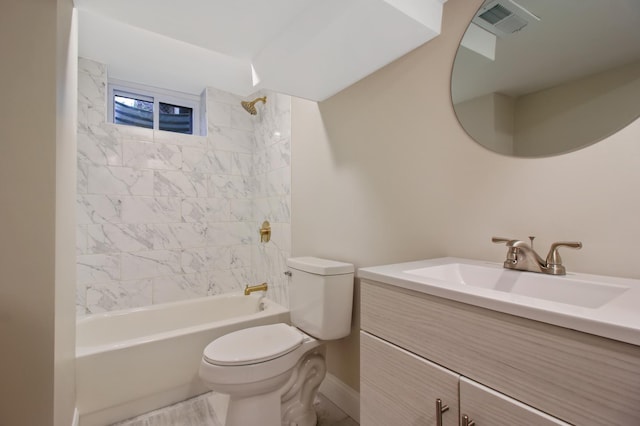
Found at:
[133, 361]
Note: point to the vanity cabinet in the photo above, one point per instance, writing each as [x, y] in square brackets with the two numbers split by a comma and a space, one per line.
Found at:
[488, 407]
[400, 388]
[499, 369]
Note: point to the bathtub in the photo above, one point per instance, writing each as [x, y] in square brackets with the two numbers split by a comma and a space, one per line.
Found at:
[133, 361]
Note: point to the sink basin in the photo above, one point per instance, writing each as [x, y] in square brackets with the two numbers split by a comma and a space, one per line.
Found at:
[596, 304]
[558, 288]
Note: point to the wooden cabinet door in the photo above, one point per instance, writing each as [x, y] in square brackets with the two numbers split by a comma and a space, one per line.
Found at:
[398, 388]
[487, 407]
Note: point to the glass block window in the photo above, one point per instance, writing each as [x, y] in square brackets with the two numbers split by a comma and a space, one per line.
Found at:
[151, 108]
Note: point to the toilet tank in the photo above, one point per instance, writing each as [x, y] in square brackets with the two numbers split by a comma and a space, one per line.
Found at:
[321, 296]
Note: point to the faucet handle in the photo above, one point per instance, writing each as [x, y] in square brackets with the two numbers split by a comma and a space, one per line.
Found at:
[500, 240]
[554, 261]
[511, 243]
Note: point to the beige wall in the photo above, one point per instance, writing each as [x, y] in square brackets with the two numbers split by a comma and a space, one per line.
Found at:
[559, 119]
[489, 118]
[34, 341]
[383, 173]
[566, 117]
[65, 246]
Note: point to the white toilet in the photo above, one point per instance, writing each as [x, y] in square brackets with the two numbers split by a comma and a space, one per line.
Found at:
[272, 372]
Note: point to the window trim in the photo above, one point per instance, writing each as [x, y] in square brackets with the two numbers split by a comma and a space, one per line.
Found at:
[157, 95]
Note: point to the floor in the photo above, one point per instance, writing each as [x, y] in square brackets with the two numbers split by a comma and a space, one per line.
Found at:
[209, 410]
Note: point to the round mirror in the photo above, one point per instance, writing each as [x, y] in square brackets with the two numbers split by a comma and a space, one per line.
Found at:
[535, 78]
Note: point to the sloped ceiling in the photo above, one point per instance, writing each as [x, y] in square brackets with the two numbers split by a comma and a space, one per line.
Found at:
[306, 48]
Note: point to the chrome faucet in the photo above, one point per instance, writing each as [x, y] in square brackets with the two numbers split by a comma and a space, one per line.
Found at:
[522, 256]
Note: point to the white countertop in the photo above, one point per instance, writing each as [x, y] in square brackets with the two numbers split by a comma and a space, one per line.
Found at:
[618, 319]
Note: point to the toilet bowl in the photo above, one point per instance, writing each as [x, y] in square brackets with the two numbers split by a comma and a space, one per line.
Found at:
[257, 383]
[272, 373]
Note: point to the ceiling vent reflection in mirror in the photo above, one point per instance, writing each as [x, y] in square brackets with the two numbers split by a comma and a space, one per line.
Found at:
[503, 17]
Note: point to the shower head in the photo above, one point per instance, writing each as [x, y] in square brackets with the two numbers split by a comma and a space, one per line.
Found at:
[251, 106]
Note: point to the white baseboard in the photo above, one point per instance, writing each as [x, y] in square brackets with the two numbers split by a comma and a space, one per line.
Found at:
[76, 417]
[347, 399]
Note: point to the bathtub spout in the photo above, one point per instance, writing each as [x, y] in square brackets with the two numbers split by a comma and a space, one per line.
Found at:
[250, 289]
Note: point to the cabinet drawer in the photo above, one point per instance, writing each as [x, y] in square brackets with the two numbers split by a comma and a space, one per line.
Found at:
[487, 407]
[560, 371]
[399, 388]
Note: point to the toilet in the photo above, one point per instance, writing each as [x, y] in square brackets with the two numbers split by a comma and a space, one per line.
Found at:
[272, 372]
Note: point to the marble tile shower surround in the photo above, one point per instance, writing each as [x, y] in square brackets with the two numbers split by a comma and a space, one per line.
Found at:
[163, 216]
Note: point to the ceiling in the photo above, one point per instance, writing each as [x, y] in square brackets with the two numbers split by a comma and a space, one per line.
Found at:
[306, 48]
[573, 39]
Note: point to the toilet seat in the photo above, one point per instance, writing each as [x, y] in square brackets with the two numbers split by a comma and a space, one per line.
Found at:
[253, 345]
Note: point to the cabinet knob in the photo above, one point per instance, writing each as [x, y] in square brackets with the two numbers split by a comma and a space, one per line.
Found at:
[440, 408]
[466, 421]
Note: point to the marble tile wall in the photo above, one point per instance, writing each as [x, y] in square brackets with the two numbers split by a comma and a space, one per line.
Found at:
[272, 196]
[163, 216]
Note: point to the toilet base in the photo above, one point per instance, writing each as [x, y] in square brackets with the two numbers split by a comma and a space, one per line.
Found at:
[300, 392]
[289, 405]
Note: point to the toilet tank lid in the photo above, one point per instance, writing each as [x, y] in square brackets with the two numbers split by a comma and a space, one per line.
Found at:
[315, 265]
